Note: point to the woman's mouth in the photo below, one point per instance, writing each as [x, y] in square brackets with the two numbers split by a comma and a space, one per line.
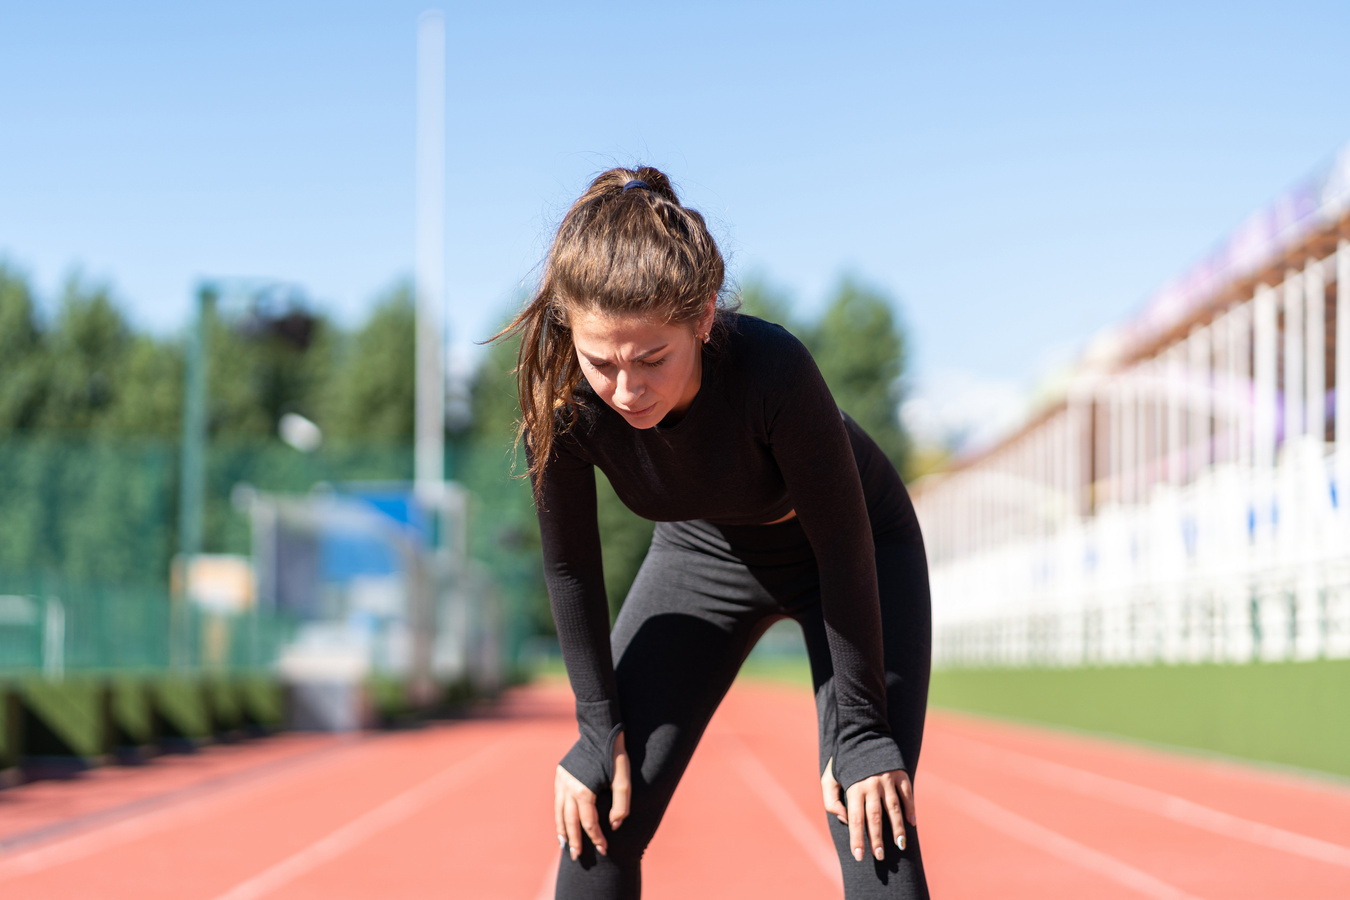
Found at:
[638, 413]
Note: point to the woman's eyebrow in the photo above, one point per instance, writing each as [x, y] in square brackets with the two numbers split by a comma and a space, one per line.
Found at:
[642, 356]
[596, 360]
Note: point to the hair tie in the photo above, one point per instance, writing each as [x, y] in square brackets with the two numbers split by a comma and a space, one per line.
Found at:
[636, 184]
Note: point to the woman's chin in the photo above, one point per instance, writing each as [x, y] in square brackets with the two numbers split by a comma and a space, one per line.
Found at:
[642, 418]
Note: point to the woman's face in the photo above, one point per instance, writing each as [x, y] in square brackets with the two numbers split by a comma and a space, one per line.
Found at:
[643, 368]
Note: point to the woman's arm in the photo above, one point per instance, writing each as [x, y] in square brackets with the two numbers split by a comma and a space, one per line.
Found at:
[809, 442]
[573, 568]
[570, 537]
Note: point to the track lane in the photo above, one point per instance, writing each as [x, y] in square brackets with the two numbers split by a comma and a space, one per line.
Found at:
[1004, 810]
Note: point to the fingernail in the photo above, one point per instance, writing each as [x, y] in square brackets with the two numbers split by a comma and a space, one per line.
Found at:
[842, 820]
[562, 842]
[602, 849]
[900, 841]
[857, 854]
[574, 853]
[879, 852]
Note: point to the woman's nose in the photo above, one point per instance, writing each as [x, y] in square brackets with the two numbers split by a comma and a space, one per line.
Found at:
[627, 389]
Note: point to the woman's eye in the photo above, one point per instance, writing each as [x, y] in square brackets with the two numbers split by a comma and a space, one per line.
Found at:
[653, 365]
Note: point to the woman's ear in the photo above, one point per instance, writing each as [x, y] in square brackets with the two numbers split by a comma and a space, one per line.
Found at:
[705, 321]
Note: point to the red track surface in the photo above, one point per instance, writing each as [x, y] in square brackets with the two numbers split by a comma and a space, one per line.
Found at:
[464, 810]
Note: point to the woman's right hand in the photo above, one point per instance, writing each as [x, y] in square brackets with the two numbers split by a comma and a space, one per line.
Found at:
[574, 809]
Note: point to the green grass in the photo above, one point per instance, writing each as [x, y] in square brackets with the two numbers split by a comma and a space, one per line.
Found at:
[785, 669]
[1295, 714]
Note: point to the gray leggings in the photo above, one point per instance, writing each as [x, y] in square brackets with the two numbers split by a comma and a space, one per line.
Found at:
[703, 597]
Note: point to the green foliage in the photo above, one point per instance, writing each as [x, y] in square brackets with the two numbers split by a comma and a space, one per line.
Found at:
[859, 348]
[505, 532]
[624, 539]
[372, 393]
[760, 299]
[91, 413]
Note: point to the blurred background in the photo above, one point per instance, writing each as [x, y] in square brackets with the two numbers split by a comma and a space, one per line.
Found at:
[1075, 269]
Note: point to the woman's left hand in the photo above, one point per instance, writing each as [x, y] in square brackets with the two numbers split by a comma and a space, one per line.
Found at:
[870, 802]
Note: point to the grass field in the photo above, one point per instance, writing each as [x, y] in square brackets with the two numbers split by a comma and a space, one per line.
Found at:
[1292, 714]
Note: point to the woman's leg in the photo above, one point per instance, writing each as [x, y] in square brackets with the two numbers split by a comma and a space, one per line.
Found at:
[902, 575]
[684, 630]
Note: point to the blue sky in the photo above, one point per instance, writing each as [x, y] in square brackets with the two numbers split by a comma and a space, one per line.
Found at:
[1016, 176]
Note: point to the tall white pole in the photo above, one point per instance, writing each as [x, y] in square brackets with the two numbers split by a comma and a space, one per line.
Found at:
[429, 452]
[1263, 424]
[1293, 355]
[1200, 387]
[1176, 464]
[1315, 295]
[1241, 342]
[1341, 415]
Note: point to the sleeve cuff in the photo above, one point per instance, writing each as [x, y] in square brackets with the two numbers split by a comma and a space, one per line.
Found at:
[860, 753]
[591, 759]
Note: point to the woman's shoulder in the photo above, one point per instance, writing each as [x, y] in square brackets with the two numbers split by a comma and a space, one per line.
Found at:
[761, 350]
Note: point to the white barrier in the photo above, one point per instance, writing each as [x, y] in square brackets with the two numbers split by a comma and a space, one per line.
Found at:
[1190, 504]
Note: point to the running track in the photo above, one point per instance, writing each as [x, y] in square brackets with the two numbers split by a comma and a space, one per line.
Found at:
[463, 809]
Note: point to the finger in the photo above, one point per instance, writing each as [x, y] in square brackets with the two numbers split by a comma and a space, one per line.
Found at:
[572, 824]
[830, 793]
[621, 788]
[907, 798]
[875, 816]
[894, 810]
[855, 821]
[833, 802]
[590, 823]
[558, 823]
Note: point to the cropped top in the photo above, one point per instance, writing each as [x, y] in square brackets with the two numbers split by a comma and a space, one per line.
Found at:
[762, 437]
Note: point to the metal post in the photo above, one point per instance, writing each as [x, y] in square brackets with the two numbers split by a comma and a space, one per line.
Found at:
[1293, 356]
[1199, 391]
[1176, 468]
[1314, 289]
[1341, 415]
[1263, 425]
[429, 450]
[192, 487]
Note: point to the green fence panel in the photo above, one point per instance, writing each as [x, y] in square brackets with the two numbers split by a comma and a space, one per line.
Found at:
[181, 708]
[133, 720]
[64, 718]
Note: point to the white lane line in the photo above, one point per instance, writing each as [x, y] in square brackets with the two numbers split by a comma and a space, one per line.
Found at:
[357, 831]
[1169, 806]
[819, 848]
[549, 888]
[188, 806]
[1052, 842]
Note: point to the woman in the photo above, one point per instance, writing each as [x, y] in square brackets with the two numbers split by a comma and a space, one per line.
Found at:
[769, 503]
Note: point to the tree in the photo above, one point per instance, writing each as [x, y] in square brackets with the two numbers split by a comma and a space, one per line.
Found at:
[86, 349]
[22, 369]
[764, 301]
[860, 350]
[372, 394]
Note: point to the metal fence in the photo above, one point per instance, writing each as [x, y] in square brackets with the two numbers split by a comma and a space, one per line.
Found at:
[88, 537]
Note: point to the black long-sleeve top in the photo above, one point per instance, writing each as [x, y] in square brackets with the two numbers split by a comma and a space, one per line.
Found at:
[762, 437]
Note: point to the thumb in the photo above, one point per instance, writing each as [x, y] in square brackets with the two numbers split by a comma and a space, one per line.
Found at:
[621, 786]
[829, 789]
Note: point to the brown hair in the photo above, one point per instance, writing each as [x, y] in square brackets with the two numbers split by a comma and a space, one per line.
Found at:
[617, 252]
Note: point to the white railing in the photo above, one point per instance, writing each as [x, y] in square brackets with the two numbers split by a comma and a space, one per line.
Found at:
[1242, 564]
